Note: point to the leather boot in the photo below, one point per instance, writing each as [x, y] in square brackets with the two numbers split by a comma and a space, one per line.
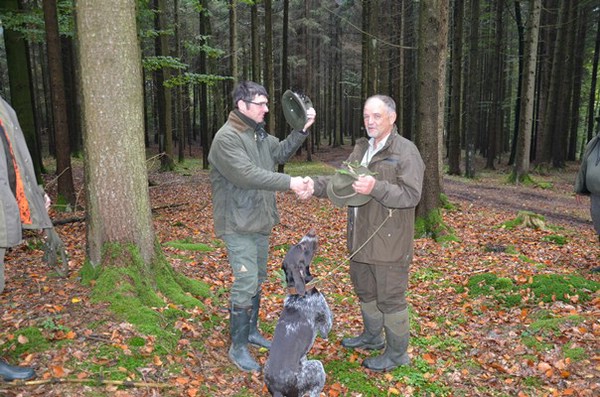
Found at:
[371, 338]
[396, 337]
[254, 336]
[239, 322]
[9, 372]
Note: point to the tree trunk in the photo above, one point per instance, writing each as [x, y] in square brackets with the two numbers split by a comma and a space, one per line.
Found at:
[118, 203]
[166, 132]
[21, 98]
[433, 39]
[64, 173]
[521, 168]
[455, 114]
[472, 92]
[269, 68]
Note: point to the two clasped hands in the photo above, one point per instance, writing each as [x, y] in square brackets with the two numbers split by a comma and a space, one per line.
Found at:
[304, 187]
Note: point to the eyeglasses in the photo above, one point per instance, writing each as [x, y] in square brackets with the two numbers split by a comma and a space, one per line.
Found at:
[260, 104]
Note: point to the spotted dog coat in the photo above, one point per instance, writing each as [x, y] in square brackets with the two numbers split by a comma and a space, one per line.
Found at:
[305, 312]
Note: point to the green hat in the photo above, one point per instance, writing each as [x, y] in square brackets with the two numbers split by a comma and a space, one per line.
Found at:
[340, 190]
[294, 109]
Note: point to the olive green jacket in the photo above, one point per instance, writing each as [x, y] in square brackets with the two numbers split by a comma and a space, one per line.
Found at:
[243, 178]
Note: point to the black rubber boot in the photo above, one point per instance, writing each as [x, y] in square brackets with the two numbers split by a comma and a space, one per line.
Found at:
[9, 372]
[396, 337]
[371, 338]
[254, 335]
[239, 322]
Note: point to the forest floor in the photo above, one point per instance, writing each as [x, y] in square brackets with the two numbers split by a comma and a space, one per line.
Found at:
[467, 338]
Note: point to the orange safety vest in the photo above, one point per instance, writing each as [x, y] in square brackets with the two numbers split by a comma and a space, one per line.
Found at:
[24, 210]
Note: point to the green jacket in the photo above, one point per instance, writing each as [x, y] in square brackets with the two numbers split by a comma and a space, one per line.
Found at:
[399, 173]
[243, 177]
[10, 221]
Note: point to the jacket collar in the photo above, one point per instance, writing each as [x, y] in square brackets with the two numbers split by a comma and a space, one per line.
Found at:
[242, 123]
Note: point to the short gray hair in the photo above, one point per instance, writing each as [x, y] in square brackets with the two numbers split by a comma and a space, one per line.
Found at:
[388, 101]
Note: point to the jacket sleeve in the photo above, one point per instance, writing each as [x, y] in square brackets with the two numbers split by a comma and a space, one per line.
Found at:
[282, 151]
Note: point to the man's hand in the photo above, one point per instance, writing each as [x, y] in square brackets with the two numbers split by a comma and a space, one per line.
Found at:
[311, 115]
[303, 187]
[364, 184]
[54, 246]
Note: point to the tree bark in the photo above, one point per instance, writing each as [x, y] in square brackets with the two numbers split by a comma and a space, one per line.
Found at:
[64, 172]
[118, 203]
[433, 39]
[521, 168]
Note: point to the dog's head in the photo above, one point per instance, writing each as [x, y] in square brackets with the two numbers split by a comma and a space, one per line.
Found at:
[296, 263]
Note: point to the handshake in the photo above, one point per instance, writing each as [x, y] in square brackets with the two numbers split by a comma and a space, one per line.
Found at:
[303, 187]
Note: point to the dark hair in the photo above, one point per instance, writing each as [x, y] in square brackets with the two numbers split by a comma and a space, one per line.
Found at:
[388, 101]
[246, 91]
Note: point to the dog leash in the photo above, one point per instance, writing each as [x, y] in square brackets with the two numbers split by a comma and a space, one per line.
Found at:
[317, 279]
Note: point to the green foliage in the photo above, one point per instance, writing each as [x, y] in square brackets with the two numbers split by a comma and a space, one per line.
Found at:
[556, 239]
[545, 288]
[527, 219]
[352, 376]
[33, 341]
[548, 287]
[501, 289]
[303, 168]
[552, 325]
[189, 246]
[195, 79]
[152, 64]
[574, 353]
[132, 294]
[432, 225]
[446, 203]
[525, 179]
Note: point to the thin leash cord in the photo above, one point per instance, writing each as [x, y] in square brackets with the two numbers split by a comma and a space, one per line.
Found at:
[317, 279]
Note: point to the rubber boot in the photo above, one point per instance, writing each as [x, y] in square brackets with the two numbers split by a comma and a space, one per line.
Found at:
[9, 372]
[254, 336]
[371, 338]
[396, 337]
[239, 322]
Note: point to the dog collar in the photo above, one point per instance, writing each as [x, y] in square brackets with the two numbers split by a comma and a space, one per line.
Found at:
[293, 291]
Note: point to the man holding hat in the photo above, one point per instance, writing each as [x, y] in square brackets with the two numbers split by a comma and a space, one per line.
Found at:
[381, 185]
[243, 157]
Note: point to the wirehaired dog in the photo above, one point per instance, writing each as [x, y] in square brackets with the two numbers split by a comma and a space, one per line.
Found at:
[305, 312]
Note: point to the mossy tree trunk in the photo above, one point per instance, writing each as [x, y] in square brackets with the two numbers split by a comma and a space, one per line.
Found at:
[121, 243]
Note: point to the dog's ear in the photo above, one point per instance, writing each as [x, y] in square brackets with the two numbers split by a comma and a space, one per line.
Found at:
[298, 275]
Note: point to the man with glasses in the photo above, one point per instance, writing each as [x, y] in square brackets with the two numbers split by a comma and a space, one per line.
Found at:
[243, 157]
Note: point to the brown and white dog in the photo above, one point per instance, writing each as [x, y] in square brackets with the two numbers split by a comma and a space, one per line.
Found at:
[305, 313]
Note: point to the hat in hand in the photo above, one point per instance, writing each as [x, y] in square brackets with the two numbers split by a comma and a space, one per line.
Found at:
[295, 106]
[340, 190]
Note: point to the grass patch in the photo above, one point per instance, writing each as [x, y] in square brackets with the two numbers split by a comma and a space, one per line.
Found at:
[556, 239]
[352, 376]
[186, 245]
[304, 168]
[545, 288]
[25, 341]
[550, 287]
[574, 353]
